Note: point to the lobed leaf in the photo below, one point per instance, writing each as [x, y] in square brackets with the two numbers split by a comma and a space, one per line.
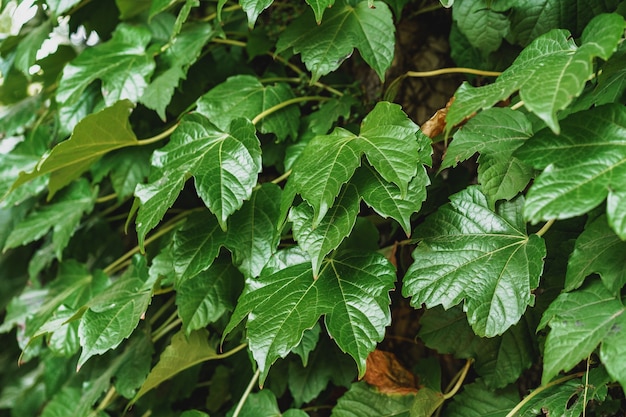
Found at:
[362, 400]
[468, 252]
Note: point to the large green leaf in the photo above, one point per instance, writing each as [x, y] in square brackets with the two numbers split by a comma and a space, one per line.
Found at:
[325, 46]
[253, 9]
[63, 216]
[245, 96]
[114, 313]
[205, 297]
[253, 231]
[579, 321]
[494, 133]
[598, 250]
[182, 353]
[476, 400]
[484, 26]
[582, 165]
[548, 73]
[352, 292]
[225, 165]
[93, 137]
[468, 252]
[121, 63]
[364, 401]
[388, 139]
[331, 231]
[183, 52]
[319, 6]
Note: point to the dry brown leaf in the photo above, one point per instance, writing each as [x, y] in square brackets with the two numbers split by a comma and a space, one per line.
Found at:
[437, 123]
[387, 374]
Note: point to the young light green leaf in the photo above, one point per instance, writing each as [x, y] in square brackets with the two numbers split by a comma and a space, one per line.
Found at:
[363, 400]
[579, 321]
[62, 216]
[245, 96]
[319, 7]
[253, 230]
[94, 136]
[388, 139]
[204, 298]
[468, 252]
[352, 292]
[225, 165]
[598, 250]
[114, 313]
[325, 46]
[121, 63]
[196, 245]
[338, 222]
[481, 24]
[548, 73]
[582, 165]
[183, 52]
[182, 353]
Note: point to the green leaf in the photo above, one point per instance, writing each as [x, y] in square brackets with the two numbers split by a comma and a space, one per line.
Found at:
[612, 81]
[58, 7]
[331, 230]
[319, 7]
[476, 400]
[26, 52]
[126, 169]
[121, 63]
[364, 401]
[253, 9]
[253, 230]
[352, 292]
[598, 250]
[582, 165]
[309, 340]
[325, 46]
[63, 216]
[182, 353]
[387, 138]
[196, 245]
[93, 137]
[579, 321]
[481, 24]
[548, 73]
[262, 403]
[468, 252]
[114, 314]
[245, 96]
[133, 371]
[225, 166]
[204, 298]
[183, 52]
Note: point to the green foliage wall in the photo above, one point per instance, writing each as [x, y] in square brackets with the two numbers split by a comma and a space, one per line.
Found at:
[205, 213]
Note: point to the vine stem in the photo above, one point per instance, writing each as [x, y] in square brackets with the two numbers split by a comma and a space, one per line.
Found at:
[586, 390]
[246, 393]
[158, 137]
[517, 105]
[286, 103]
[460, 378]
[163, 330]
[539, 390]
[106, 198]
[545, 227]
[452, 70]
[281, 178]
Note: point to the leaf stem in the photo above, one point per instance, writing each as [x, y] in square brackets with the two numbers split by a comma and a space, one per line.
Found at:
[243, 398]
[460, 378]
[163, 330]
[161, 310]
[106, 198]
[225, 9]
[586, 390]
[452, 70]
[545, 227]
[108, 398]
[517, 105]
[158, 137]
[231, 42]
[539, 390]
[281, 178]
[286, 103]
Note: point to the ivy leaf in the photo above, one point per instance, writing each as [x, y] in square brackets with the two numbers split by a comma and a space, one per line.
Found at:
[598, 250]
[183, 52]
[121, 63]
[582, 165]
[182, 353]
[62, 216]
[579, 321]
[196, 245]
[204, 298]
[331, 231]
[495, 134]
[114, 313]
[93, 136]
[245, 96]
[468, 252]
[325, 46]
[253, 233]
[481, 24]
[352, 292]
[387, 138]
[362, 400]
[319, 7]
[225, 165]
[548, 73]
